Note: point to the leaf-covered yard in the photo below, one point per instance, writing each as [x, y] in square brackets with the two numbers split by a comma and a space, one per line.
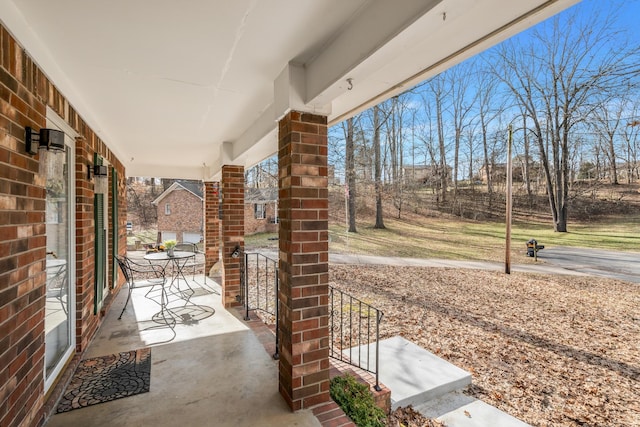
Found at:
[549, 350]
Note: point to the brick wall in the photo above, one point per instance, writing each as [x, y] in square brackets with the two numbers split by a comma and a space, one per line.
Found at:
[304, 243]
[212, 224]
[232, 231]
[252, 225]
[186, 213]
[85, 247]
[25, 92]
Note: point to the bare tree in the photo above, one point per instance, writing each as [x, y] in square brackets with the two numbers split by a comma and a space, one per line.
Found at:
[426, 136]
[378, 168]
[630, 135]
[435, 94]
[471, 138]
[488, 108]
[350, 174]
[555, 76]
[526, 163]
[462, 100]
[616, 135]
[263, 175]
[438, 90]
[395, 139]
[139, 198]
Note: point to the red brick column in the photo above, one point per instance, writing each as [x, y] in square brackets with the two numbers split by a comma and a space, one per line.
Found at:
[211, 225]
[303, 296]
[86, 322]
[22, 244]
[232, 232]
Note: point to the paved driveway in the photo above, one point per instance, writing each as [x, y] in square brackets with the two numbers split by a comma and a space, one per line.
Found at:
[595, 262]
[557, 260]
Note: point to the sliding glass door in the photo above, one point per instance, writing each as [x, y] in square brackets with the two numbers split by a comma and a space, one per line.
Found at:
[60, 271]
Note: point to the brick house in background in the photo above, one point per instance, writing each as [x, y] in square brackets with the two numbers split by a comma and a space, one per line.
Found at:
[426, 174]
[260, 210]
[499, 172]
[180, 212]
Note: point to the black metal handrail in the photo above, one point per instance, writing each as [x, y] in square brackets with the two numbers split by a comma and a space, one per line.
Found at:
[354, 325]
[259, 275]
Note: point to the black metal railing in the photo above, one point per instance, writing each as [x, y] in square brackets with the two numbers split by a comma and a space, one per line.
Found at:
[354, 325]
[354, 328]
[259, 290]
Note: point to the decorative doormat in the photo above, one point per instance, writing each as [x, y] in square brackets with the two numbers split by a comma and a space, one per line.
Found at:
[107, 378]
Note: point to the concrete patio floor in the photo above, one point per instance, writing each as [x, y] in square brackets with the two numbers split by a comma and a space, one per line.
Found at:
[213, 372]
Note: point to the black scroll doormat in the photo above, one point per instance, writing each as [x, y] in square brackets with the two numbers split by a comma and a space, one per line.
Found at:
[107, 378]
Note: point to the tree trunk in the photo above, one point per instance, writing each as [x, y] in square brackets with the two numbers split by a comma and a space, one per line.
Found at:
[351, 176]
[377, 167]
[487, 168]
[526, 174]
[456, 156]
[443, 153]
[613, 158]
[399, 196]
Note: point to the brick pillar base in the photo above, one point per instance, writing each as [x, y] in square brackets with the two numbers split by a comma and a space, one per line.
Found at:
[211, 225]
[303, 239]
[232, 232]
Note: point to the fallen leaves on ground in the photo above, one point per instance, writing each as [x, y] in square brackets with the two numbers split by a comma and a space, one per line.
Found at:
[549, 350]
[409, 417]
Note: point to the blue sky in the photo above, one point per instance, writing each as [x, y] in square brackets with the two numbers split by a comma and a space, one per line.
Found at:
[627, 16]
[627, 21]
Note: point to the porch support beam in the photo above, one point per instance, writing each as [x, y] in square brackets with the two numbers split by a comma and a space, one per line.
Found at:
[303, 262]
[232, 232]
[368, 34]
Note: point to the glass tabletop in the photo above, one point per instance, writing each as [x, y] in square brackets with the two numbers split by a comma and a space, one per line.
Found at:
[164, 256]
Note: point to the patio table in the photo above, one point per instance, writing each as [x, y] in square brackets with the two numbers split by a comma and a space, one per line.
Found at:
[188, 312]
[177, 262]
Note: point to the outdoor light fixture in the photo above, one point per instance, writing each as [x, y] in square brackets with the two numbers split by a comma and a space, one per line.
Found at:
[49, 143]
[100, 175]
[236, 252]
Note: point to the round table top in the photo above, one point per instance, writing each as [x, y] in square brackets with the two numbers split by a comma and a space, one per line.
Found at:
[164, 256]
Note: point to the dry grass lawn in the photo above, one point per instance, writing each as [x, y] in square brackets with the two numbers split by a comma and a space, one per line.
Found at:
[549, 350]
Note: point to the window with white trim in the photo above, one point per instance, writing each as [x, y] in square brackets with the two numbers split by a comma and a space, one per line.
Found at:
[167, 209]
[259, 210]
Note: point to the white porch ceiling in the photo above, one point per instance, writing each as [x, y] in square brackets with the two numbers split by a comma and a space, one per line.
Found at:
[179, 88]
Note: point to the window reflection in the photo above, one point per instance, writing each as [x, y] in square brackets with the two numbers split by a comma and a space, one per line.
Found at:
[57, 324]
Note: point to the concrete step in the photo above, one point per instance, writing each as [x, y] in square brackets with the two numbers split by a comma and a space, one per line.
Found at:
[459, 410]
[431, 385]
[413, 374]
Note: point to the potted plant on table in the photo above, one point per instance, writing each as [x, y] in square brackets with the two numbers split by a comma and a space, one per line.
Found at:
[169, 245]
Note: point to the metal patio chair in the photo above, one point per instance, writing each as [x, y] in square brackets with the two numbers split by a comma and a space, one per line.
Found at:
[193, 263]
[57, 283]
[140, 275]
